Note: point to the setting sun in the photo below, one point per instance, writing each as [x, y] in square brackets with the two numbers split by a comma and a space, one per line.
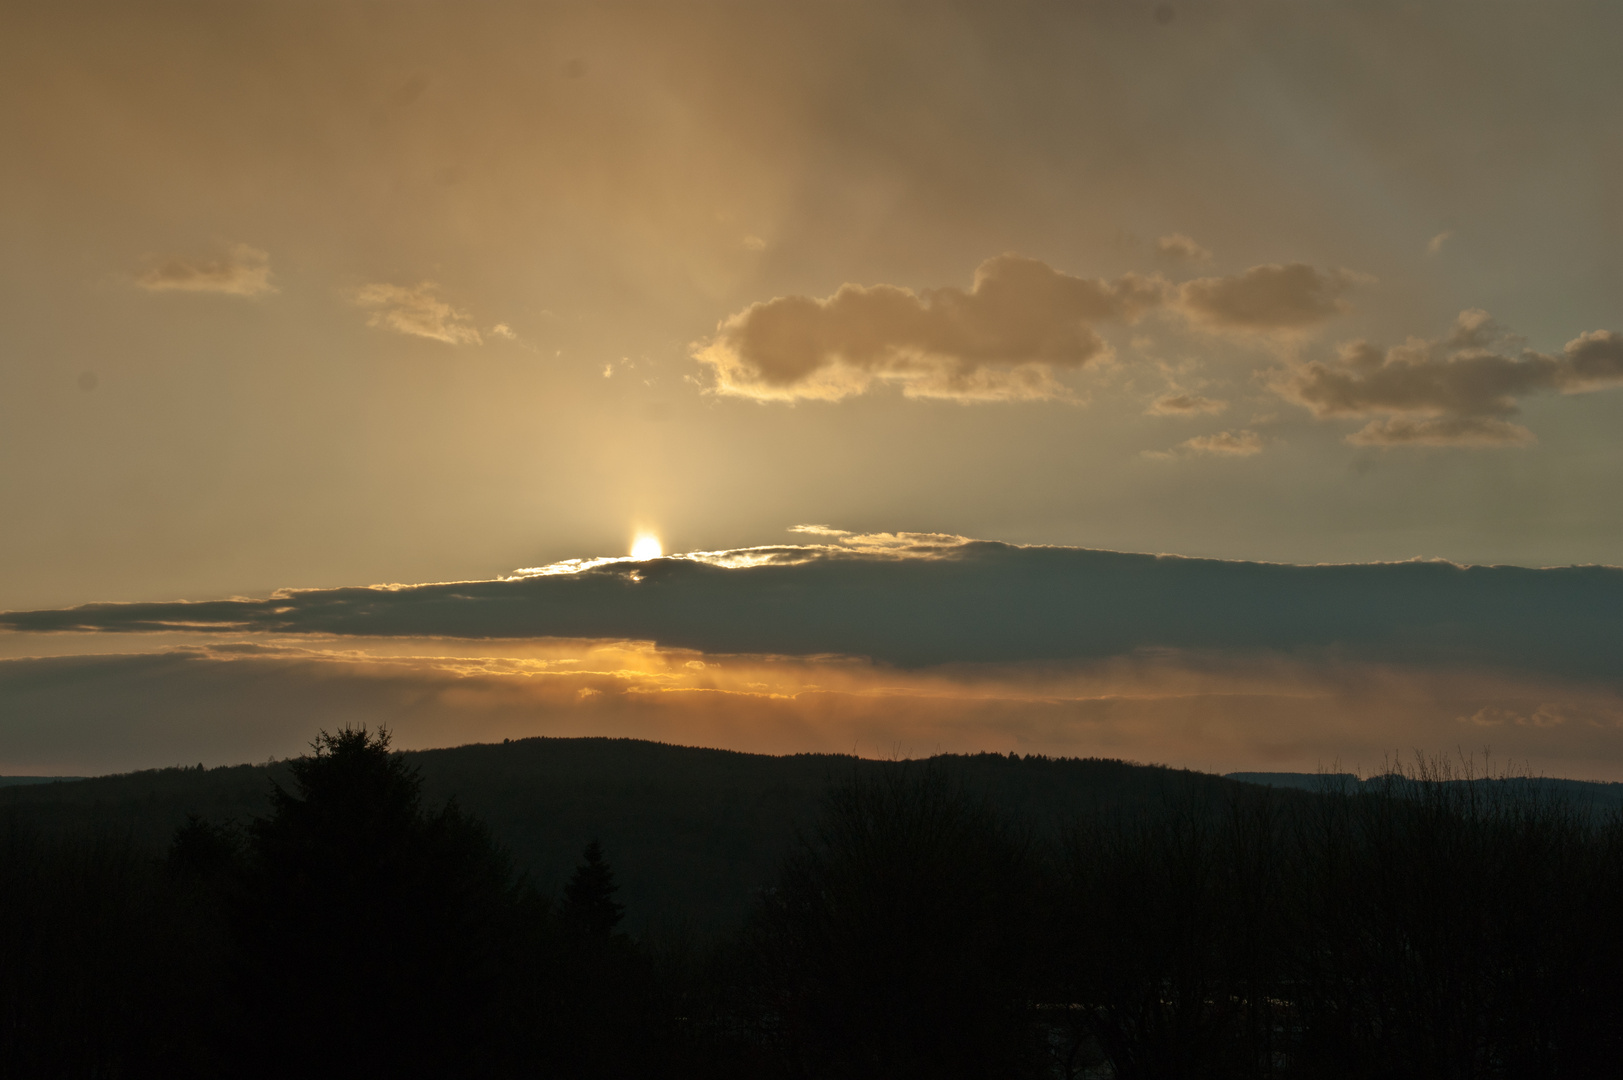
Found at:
[646, 546]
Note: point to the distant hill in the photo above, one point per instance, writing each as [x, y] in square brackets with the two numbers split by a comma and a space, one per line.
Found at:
[691, 833]
[1598, 794]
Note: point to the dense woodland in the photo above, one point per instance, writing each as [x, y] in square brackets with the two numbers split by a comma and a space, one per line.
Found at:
[362, 913]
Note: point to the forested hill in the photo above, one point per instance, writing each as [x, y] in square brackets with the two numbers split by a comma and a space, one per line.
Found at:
[691, 833]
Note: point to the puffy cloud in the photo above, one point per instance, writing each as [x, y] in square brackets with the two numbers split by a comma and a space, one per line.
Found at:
[1272, 297]
[417, 311]
[1000, 340]
[1185, 405]
[241, 271]
[916, 600]
[1181, 248]
[1460, 390]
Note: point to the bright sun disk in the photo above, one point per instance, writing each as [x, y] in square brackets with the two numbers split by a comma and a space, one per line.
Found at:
[646, 546]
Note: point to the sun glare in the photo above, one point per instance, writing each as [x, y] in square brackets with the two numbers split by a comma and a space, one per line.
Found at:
[646, 546]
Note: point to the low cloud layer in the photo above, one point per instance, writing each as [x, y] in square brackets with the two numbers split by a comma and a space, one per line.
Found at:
[1275, 297]
[416, 310]
[919, 601]
[241, 271]
[1462, 390]
[1000, 340]
[236, 701]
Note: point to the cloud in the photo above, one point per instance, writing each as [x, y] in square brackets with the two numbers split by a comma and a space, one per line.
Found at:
[913, 600]
[1273, 297]
[1222, 444]
[1182, 249]
[417, 311]
[1000, 340]
[241, 271]
[1225, 444]
[1185, 405]
[1460, 390]
[1435, 244]
[502, 330]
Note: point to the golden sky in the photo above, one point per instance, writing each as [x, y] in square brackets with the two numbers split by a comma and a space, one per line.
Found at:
[312, 295]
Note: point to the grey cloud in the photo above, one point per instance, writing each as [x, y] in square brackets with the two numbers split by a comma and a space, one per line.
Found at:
[1290, 296]
[417, 311]
[1460, 390]
[1185, 405]
[999, 340]
[966, 602]
[1182, 248]
[242, 271]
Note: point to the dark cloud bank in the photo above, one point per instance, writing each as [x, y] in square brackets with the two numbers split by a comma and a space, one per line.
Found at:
[977, 601]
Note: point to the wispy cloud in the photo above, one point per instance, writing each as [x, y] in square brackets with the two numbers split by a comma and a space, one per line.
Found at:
[1185, 405]
[1461, 390]
[1181, 248]
[1220, 444]
[416, 310]
[240, 271]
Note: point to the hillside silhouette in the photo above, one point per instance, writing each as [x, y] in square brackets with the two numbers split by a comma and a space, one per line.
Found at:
[695, 832]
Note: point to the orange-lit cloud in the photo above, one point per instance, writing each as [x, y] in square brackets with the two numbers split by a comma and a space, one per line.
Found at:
[1220, 444]
[245, 700]
[418, 311]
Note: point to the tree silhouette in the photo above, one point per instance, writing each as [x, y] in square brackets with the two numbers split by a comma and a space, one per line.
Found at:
[589, 906]
[374, 936]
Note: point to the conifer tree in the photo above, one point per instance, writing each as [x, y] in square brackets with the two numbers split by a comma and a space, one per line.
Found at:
[589, 905]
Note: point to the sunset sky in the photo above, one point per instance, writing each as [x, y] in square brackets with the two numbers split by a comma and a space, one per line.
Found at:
[320, 296]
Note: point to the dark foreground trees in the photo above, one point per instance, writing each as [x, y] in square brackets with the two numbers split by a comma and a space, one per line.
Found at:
[897, 942]
[1425, 928]
[392, 939]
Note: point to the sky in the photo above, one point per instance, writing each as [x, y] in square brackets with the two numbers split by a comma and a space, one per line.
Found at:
[297, 299]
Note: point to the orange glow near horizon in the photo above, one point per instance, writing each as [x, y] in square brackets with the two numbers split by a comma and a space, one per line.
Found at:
[647, 546]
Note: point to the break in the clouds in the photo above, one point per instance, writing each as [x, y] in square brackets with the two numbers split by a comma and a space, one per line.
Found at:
[419, 311]
[237, 700]
[1274, 297]
[1002, 339]
[890, 644]
[240, 271]
[1461, 390]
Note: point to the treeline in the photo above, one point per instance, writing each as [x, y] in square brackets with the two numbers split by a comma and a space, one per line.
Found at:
[1420, 929]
